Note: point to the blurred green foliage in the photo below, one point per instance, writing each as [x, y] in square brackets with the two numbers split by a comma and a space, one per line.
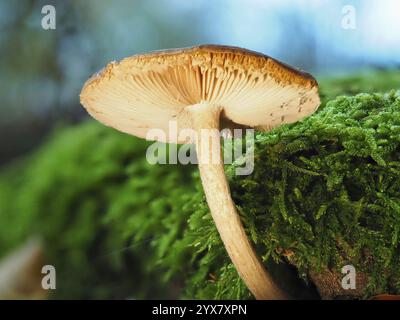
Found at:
[116, 227]
[71, 191]
[369, 81]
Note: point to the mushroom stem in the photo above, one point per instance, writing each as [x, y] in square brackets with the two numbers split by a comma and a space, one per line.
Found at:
[205, 121]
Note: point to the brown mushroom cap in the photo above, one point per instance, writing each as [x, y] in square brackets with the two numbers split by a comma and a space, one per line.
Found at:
[147, 91]
[206, 87]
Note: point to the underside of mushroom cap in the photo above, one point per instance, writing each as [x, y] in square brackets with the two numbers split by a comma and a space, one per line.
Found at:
[148, 91]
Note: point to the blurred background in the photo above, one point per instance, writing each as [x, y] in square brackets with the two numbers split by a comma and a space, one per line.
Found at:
[85, 210]
[42, 71]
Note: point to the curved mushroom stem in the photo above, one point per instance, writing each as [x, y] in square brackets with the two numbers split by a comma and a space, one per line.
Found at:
[250, 268]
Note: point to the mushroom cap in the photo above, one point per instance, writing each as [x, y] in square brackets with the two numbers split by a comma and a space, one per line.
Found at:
[147, 91]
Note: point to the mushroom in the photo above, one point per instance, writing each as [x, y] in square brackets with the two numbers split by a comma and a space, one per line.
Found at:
[205, 87]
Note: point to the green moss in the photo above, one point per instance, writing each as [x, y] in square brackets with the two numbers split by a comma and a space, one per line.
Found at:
[71, 191]
[325, 189]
